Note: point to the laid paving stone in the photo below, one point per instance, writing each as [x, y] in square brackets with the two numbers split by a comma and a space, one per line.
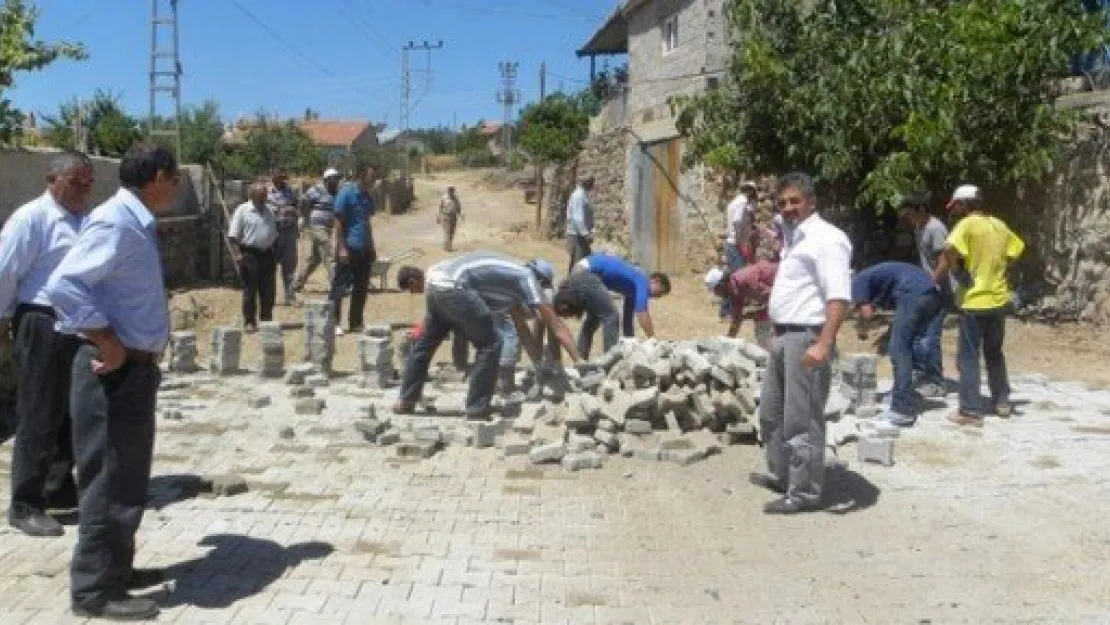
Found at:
[427, 433]
[876, 450]
[370, 429]
[317, 380]
[515, 445]
[286, 433]
[583, 460]
[551, 452]
[302, 391]
[172, 415]
[225, 485]
[417, 449]
[258, 401]
[485, 434]
[310, 406]
[391, 436]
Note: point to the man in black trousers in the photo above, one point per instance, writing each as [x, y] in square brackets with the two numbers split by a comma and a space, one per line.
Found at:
[109, 291]
[33, 243]
[253, 232]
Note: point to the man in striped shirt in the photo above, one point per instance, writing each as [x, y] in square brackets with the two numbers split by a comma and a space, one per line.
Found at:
[467, 294]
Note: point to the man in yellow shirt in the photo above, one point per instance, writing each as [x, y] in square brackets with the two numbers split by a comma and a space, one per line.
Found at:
[979, 250]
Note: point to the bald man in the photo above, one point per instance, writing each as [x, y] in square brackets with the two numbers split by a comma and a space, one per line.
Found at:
[253, 232]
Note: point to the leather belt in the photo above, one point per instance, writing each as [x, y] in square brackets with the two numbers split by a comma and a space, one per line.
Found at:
[788, 328]
[141, 357]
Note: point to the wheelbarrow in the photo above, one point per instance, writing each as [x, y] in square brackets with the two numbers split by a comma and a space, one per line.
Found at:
[380, 268]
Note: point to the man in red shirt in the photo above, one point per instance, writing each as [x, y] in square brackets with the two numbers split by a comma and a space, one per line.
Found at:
[748, 285]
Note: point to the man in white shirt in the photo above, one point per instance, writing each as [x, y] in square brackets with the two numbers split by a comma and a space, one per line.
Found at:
[32, 244]
[740, 215]
[807, 305]
[253, 232]
[580, 222]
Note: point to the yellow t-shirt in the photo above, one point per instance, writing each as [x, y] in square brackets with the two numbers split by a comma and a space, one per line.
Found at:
[987, 246]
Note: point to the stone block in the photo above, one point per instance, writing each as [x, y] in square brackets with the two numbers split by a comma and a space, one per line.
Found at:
[579, 442]
[583, 460]
[610, 439]
[460, 435]
[427, 433]
[550, 452]
[318, 380]
[721, 376]
[756, 354]
[370, 429]
[301, 391]
[682, 457]
[309, 406]
[390, 436]
[286, 433]
[172, 415]
[225, 485]
[543, 434]
[514, 445]
[258, 401]
[705, 441]
[417, 449]
[576, 416]
[485, 434]
[637, 426]
[876, 450]
[608, 425]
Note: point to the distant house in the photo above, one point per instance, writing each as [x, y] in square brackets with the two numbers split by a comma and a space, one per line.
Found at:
[403, 140]
[340, 138]
[495, 136]
[673, 47]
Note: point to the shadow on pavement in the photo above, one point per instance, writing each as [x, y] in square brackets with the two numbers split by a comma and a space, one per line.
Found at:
[847, 491]
[165, 490]
[239, 567]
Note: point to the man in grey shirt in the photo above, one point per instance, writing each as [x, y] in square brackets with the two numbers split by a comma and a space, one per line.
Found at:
[931, 236]
[319, 204]
[467, 294]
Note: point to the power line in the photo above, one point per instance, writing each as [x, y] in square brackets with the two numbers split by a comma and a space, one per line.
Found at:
[482, 9]
[367, 31]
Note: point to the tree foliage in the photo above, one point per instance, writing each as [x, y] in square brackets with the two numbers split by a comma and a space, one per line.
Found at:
[553, 130]
[880, 96]
[21, 52]
[268, 144]
[109, 130]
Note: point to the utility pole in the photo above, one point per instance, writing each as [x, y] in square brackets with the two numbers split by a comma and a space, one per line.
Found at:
[508, 97]
[80, 136]
[406, 78]
[165, 69]
[539, 163]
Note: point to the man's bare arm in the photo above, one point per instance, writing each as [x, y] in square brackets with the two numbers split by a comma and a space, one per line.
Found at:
[524, 334]
[645, 322]
[562, 333]
[945, 261]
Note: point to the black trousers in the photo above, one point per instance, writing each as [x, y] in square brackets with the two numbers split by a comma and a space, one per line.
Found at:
[353, 274]
[259, 274]
[42, 456]
[113, 434]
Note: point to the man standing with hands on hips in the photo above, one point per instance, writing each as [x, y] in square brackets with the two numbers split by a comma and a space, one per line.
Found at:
[807, 305]
[109, 291]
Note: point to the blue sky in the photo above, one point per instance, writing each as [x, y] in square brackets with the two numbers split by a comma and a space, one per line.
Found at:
[339, 57]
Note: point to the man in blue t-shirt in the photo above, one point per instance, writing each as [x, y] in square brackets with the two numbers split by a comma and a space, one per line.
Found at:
[354, 247]
[625, 279]
[909, 291]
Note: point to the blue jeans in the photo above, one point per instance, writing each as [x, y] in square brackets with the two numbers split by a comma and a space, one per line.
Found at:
[927, 352]
[982, 330]
[735, 261]
[912, 316]
[464, 312]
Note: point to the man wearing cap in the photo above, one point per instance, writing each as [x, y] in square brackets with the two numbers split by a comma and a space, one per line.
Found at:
[355, 251]
[282, 201]
[466, 294]
[319, 204]
[450, 210]
[636, 287]
[740, 217]
[931, 237]
[980, 249]
[33, 243]
[909, 291]
[807, 305]
[253, 232]
[580, 221]
[749, 285]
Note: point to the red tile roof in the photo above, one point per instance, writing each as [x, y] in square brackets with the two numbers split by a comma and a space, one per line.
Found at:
[490, 128]
[334, 133]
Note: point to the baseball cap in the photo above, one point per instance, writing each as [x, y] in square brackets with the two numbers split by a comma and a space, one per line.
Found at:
[331, 172]
[964, 192]
[749, 184]
[713, 278]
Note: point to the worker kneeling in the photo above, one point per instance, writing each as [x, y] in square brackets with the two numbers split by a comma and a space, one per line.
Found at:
[468, 294]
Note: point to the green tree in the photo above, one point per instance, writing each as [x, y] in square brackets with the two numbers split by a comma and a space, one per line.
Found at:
[201, 130]
[269, 144]
[879, 96]
[21, 52]
[110, 131]
[553, 130]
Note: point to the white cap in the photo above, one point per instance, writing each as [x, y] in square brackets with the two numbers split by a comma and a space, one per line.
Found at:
[965, 192]
[331, 172]
[749, 184]
[713, 278]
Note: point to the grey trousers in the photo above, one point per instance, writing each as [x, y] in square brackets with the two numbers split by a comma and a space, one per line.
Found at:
[792, 415]
[285, 249]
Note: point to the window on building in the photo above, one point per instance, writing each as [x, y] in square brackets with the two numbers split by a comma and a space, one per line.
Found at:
[670, 33]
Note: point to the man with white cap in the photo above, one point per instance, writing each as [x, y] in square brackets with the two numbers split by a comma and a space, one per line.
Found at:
[468, 294]
[980, 249]
[739, 217]
[318, 211]
[749, 285]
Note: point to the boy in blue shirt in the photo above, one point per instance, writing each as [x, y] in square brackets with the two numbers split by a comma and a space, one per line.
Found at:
[354, 247]
[622, 277]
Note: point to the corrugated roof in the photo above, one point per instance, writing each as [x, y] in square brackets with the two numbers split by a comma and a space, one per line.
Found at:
[334, 133]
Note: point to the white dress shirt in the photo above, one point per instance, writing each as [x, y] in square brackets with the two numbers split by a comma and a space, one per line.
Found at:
[253, 226]
[580, 214]
[735, 215]
[815, 269]
[32, 244]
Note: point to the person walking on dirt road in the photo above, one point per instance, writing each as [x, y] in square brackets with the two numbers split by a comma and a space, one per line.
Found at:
[319, 203]
[450, 211]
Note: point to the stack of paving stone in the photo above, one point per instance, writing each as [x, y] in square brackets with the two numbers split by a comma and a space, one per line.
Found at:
[319, 327]
[226, 349]
[273, 350]
[859, 384]
[375, 357]
[183, 352]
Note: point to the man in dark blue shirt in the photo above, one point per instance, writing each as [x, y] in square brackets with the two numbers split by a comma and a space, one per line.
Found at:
[354, 247]
[909, 291]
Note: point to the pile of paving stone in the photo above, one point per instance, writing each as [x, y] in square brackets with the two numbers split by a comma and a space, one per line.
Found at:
[655, 400]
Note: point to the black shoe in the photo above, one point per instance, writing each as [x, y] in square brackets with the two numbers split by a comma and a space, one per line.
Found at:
[788, 505]
[123, 608]
[145, 578]
[768, 481]
[36, 523]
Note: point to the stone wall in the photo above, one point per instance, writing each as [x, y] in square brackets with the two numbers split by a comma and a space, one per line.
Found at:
[605, 157]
